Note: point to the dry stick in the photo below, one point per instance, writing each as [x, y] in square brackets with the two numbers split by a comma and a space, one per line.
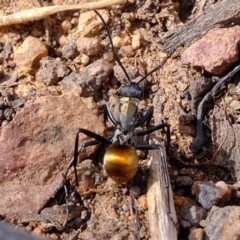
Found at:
[36, 14]
[162, 214]
[197, 144]
[223, 14]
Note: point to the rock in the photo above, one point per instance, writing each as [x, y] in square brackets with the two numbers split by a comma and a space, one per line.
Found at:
[223, 223]
[135, 191]
[120, 75]
[85, 59]
[128, 16]
[185, 224]
[122, 40]
[89, 24]
[136, 41]
[29, 54]
[51, 70]
[86, 172]
[207, 194]
[215, 52]
[66, 26]
[88, 46]
[8, 112]
[143, 202]
[69, 50]
[184, 181]
[7, 231]
[88, 79]
[194, 215]
[36, 147]
[196, 234]
[126, 51]
[17, 103]
[225, 191]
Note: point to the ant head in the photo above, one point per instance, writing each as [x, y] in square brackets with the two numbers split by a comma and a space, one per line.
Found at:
[131, 90]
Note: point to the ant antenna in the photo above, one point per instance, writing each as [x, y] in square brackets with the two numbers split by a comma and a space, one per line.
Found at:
[144, 77]
[111, 42]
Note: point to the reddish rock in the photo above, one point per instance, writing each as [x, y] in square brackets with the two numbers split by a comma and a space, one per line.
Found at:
[36, 148]
[215, 52]
[127, 51]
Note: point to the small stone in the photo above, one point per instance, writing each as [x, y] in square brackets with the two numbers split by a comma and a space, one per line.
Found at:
[127, 51]
[89, 24]
[53, 236]
[185, 224]
[89, 79]
[125, 207]
[29, 228]
[143, 202]
[66, 26]
[203, 223]
[225, 192]
[141, 154]
[52, 70]
[136, 41]
[154, 88]
[128, 16]
[122, 40]
[29, 54]
[194, 215]
[196, 234]
[37, 231]
[108, 56]
[88, 46]
[207, 194]
[85, 59]
[69, 50]
[8, 114]
[184, 181]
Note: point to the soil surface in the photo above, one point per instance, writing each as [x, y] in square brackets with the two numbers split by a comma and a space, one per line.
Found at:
[107, 210]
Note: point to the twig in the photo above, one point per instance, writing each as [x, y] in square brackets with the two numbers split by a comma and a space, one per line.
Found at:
[197, 144]
[14, 84]
[222, 15]
[36, 14]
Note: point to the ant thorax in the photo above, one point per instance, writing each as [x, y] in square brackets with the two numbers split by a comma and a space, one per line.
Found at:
[120, 137]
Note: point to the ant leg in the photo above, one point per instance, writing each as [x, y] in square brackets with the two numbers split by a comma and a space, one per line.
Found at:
[155, 128]
[146, 118]
[97, 140]
[107, 113]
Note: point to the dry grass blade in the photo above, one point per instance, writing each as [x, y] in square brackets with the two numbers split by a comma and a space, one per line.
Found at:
[36, 14]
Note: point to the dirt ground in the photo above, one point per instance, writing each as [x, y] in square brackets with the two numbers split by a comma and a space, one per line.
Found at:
[107, 211]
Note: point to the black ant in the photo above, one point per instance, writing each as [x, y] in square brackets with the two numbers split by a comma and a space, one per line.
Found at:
[120, 159]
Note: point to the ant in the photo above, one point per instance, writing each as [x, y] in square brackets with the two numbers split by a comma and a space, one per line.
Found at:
[120, 159]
